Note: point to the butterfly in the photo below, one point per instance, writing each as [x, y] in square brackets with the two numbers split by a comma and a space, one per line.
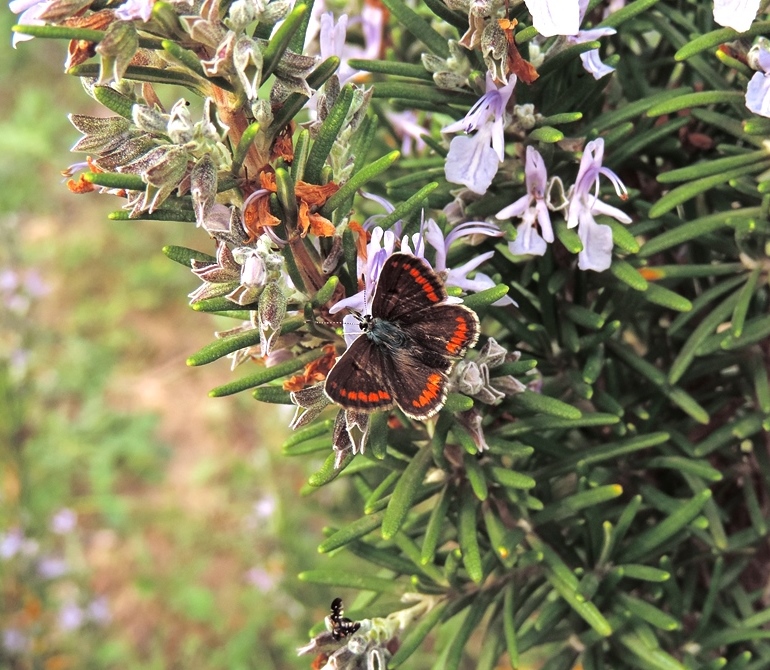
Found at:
[409, 344]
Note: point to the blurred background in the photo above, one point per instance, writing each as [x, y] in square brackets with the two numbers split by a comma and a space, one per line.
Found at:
[142, 524]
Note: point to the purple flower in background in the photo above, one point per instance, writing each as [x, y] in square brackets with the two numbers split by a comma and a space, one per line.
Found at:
[52, 567]
[408, 129]
[531, 208]
[758, 90]
[736, 14]
[71, 617]
[332, 36]
[260, 579]
[473, 160]
[135, 9]
[11, 543]
[98, 611]
[584, 203]
[64, 521]
[15, 641]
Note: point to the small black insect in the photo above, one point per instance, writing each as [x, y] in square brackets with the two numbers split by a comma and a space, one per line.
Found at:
[341, 625]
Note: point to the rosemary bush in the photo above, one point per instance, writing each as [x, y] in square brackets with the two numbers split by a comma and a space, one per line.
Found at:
[591, 178]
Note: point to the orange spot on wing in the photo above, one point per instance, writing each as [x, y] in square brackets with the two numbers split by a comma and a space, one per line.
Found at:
[430, 392]
[459, 337]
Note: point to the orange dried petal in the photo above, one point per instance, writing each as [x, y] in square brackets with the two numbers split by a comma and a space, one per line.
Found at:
[267, 180]
[315, 194]
[362, 238]
[517, 64]
[80, 186]
[257, 216]
[321, 226]
[282, 146]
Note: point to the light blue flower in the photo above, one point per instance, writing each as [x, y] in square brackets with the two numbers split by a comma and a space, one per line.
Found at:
[584, 203]
[473, 160]
[531, 208]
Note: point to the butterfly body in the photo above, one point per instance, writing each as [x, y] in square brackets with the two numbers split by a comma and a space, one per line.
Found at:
[341, 626]
[409, 344]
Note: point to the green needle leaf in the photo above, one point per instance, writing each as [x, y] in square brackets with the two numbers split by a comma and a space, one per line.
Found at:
[629, 275]
[364, 175]
[267, 374]
[279, 41]
[537, 402]
[715, 38]
[185, 256]
[417, 633]
[649, 540]
[406, 492]
[742, 305]
[348, 580]
[698, 99]
[705, 328]
[216, 350]
[687, 191]
[648, 612]
[418, 27]
[353, 531]
[327, 135]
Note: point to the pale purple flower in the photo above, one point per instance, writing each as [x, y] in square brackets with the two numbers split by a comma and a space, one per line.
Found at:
[736, 14]
[592, 61]
[15, 641]
[380, 247]
[408, 129]
[458, 276]
[98, 611]
[260, 579]
[332, 36]
[70, 617]
[473, 160]
[52, 567]
[11, 543]
[64, 521]
[556, 17]
[584, 203]
[613, 6]
[30, 11]
[531, 208]
[135, 9]
[563, 17]
[758, 90]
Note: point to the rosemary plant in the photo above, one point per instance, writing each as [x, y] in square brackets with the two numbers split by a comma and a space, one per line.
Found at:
[580, 189]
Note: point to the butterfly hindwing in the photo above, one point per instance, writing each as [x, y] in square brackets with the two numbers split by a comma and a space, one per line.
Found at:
[358, 379]
[406, 285]
[446, 330]
[421, 389]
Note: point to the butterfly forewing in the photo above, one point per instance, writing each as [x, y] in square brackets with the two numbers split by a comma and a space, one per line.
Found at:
[358, 379]
[406, 285]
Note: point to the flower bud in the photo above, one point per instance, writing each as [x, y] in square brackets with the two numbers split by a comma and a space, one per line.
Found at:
[117, 49]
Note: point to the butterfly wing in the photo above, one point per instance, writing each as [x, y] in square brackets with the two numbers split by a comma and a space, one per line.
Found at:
[406, 285]
[359, 378]
[447, 331]
[421, 390]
